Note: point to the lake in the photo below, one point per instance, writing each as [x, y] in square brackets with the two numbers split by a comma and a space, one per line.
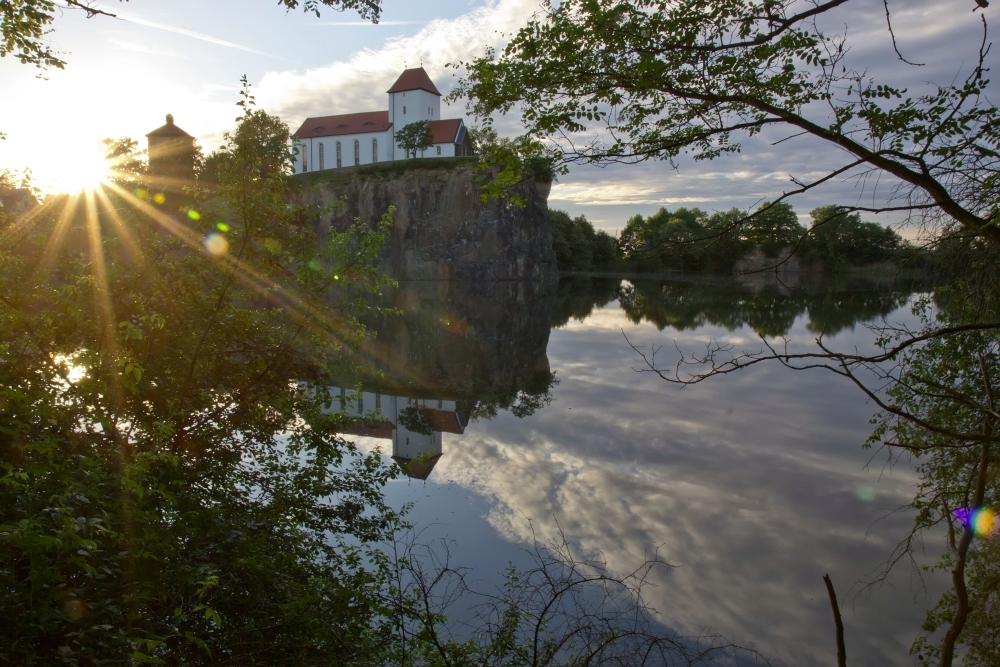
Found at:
[753, 485]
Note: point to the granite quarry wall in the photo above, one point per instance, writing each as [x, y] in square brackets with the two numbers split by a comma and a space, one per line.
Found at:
[442, 230]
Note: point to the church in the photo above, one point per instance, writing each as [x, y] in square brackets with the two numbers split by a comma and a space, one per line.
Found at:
[352, 139]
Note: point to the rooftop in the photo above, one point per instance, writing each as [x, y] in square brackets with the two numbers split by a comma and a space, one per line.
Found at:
[348, 123]
[413, 79]
[445, 131]
[169, 130]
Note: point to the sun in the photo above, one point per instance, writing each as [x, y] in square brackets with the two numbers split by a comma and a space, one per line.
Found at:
[82, 167]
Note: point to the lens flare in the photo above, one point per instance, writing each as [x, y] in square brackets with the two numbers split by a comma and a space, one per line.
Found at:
[216, 244]
[982, 520]
[865, 492]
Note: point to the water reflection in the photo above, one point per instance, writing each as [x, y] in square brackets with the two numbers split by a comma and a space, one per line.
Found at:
[754, 484]
[415, 426]
[445, 353]
[763, 303]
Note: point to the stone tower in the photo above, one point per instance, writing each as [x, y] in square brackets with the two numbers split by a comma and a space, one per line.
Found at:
[171, 153]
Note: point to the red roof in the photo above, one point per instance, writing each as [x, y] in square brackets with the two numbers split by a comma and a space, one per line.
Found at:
[446, 422]
[413, 79]
[348, 123]
[445, 131]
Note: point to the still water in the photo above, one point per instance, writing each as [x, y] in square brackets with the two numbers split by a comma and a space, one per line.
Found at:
[753, 485]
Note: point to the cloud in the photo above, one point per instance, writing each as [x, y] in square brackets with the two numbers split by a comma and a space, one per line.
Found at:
[196, 35]
[359, 84]
[363, 23]
[145, 48]
[762, 171]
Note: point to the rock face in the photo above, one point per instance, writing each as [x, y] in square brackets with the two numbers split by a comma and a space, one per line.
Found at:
[442, 230]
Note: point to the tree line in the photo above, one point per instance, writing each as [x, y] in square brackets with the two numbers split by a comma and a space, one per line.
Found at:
[693, 241]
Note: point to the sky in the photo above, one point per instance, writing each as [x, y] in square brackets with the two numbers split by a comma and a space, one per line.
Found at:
[186, 57]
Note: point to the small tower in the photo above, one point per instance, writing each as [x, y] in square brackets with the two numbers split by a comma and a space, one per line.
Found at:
[171, 152]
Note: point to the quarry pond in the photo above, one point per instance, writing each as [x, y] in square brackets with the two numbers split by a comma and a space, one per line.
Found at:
[752, 485]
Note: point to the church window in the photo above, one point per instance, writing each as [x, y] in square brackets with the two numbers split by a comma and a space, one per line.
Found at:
[357, 152]
[374, 151]
[321, 156]
[404, 110]
[439, 153]
[338, 155]
[305, 162]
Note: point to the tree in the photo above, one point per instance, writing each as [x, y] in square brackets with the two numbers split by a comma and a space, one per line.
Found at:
[658, 78]
[840, 238]
[415, 137]
[562, 611]
[173, 488]
[774, 227]
[663, 77]
[25, 24]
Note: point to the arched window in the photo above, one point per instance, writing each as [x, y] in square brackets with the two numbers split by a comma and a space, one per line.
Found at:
[338, 155]
[404, 110]
[374, 151]
[305, 162]
[438, 147]
[357, 152]
[321, 156]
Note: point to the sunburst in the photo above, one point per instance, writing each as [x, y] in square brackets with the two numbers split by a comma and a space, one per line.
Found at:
[83, 169]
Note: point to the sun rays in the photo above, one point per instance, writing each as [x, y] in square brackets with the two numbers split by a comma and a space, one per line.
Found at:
[102, 224]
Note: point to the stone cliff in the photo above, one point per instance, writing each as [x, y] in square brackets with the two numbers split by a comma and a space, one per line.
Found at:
[442, 230]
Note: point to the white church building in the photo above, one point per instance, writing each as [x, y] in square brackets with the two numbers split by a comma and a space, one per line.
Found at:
[352, 139]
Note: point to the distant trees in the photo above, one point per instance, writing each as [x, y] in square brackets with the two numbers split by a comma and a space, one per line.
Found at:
[415, 137]
[842, 238]
[579, 247]
[691, 240]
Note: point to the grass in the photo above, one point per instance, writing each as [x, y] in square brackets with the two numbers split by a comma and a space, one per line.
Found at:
[381, 170]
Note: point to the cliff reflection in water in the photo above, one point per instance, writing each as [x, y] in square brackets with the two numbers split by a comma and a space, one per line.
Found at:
[448, 353]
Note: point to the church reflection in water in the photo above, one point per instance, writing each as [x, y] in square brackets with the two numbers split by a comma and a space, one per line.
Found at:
[449, 354]
[415, 426]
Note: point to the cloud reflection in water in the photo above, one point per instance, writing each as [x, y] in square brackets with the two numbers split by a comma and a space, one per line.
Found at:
[753, 484]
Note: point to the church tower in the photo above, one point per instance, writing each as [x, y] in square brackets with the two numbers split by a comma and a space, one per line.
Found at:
[413, 98]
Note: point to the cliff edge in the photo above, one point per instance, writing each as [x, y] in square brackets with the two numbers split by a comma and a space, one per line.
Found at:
[442, 230]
